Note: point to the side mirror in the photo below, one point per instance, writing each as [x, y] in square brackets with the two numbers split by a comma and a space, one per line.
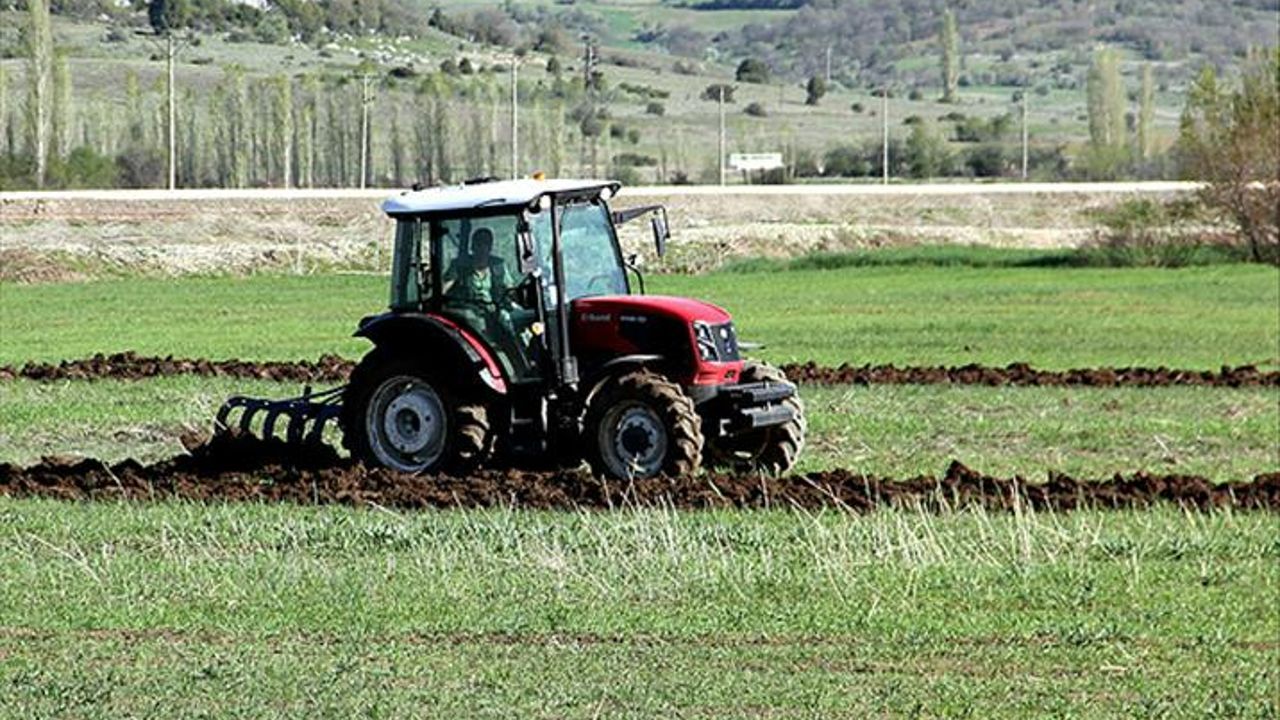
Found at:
[524, 245]
[660, 232]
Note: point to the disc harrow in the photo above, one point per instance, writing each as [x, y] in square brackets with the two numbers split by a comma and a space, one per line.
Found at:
[305, 415]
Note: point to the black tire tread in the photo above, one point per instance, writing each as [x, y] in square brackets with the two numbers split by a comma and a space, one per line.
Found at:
[471, 442]
[674, 407]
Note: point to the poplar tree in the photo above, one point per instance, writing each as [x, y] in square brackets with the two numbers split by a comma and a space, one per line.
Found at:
[61, 120]
[1106, 105]
[1146, 112]
[40, 85]
[6, 127]
[950, 56]
[307, 131]
[1105, 101]
[284, 128]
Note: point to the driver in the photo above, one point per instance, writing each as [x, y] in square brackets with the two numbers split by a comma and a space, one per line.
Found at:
[478, 287]
[472, 277]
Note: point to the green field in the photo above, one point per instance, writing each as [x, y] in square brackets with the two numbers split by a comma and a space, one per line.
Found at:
[244, 611]
[895, 431]
[1053, 318]
[250, 610]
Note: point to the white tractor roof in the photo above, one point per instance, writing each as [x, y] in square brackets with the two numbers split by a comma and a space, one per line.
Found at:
[497, 194]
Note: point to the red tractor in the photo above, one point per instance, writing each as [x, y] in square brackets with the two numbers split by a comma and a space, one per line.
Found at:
[513, 331]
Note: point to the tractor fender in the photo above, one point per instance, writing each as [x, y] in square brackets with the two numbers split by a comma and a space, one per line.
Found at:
[614, 367]
[438, 339]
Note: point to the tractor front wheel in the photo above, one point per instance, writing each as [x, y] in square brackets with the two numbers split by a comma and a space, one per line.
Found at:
[771, 450]
[640, 425]
[396, 415]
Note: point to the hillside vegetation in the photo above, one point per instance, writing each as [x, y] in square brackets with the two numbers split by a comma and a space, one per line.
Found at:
[338, 93]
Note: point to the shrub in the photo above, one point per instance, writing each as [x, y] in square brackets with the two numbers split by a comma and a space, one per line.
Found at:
[1228, 140]
[1145, 232]
[755, 109]
[712, 92]
[814, 90]
[634, 160]
[752, 70]
[655, 108]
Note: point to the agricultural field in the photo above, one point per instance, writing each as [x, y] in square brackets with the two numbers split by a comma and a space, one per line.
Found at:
[125, 593]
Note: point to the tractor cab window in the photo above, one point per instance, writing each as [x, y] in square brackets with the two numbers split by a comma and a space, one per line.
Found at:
[592, 265]
[479, 286]
[410, 278]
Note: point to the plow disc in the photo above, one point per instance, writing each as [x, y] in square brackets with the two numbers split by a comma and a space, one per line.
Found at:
[303, 417]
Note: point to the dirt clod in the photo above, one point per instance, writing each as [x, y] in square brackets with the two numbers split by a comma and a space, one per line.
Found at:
[332, 368]
[243, 468]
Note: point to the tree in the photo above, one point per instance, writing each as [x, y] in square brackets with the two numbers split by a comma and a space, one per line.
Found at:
[1106, 101]
[950, 56]
[1230, 140]
[1146, 111]
[168, 15]
[752, 70]
[816, 88]
[715, 91]
[61, 118]
[283, 127]
[925, 152]
[6, 127]
[40, 85]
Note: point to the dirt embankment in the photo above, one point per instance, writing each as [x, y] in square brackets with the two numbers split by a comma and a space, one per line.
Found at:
[241, 468]
[331, 368]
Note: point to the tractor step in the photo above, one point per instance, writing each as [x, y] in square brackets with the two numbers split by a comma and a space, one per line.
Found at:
[740, 408]
[757, 417]
[305, 415]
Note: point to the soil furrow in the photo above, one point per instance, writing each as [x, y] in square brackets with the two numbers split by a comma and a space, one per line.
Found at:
[242, 468]
[332, 368]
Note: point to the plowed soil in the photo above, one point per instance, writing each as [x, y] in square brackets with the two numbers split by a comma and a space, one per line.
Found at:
[331, 368]
[1023, 374]
[241, 468]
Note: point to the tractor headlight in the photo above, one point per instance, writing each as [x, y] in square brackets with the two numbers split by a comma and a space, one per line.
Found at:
[705, 336]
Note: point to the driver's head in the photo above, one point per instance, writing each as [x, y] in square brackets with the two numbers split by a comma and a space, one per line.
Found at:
[481, 243]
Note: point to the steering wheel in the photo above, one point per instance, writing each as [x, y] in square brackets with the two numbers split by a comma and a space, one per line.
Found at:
[518, 293]
[607, 277]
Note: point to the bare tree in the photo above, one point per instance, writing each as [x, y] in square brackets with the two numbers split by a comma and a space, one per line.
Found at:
[40, 85]
[1146, 112]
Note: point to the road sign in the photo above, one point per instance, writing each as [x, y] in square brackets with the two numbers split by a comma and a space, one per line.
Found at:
[755, 161]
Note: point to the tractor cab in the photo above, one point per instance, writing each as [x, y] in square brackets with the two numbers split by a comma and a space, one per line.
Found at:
[514, 331]
[508, 267]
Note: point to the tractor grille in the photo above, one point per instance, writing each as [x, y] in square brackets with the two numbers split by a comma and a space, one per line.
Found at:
[717, 343]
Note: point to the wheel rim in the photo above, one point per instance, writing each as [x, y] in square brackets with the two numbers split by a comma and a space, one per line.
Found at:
[634, 440]
[406, 424]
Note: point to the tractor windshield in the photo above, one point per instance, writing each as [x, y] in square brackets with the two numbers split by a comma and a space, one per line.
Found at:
[592, 265]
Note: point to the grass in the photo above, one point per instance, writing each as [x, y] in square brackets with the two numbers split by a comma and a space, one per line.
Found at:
[895, 431]
[962, 256]
[1053, 318]
[233, 611]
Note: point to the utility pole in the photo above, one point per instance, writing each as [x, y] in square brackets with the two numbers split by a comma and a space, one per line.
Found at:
[884, 127]
[722, 133]
[1024, 132]
[828, 63]
[515, 118]
[366, 99]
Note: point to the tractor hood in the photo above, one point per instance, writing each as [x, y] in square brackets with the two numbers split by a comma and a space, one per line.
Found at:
[676, 308]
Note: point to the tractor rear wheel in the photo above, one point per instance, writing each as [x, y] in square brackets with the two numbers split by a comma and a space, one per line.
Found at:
[397, 415]
[770, 450]
[640, 425]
